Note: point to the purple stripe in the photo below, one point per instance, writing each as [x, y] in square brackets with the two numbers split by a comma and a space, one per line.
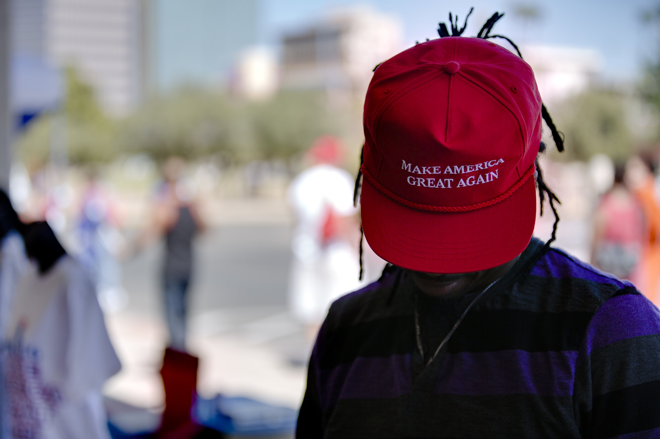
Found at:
[559, 265]
[508, 373]
[366, 377]
[646, 434]
[620, 318]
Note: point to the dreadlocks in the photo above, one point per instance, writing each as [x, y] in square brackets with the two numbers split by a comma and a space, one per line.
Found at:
[557, 137]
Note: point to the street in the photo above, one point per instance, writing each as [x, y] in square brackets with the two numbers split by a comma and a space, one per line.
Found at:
[239, 323]
[236, 266]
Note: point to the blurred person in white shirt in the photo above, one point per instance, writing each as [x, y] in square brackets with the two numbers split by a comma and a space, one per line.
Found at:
[325, 262]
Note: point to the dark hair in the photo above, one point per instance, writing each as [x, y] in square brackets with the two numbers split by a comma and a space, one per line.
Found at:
[42, 245]
[8, 217]
[649, 161]
[557, 136]
[619, 172]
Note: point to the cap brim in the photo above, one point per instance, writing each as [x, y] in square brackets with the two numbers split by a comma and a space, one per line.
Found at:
[438, 242]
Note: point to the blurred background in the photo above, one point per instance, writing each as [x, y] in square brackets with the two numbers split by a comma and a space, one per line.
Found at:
[96, 95]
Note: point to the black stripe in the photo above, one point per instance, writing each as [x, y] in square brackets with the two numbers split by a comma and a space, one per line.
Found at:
[496, 330]
[542, 294]
[447, 416]
[481, 331]
[627, 291]
[378, 338]
[369, 305]
[628, 410]
[360, 418]
[638, 360]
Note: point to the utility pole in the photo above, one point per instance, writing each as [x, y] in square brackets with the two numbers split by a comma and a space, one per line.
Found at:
[5, 115]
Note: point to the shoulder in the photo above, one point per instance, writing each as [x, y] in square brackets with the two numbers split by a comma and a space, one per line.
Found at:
[569, 284]
[610, 309]
[375, 321]
[558, 264]
[373, 302]
[626, 317]
[559, 293]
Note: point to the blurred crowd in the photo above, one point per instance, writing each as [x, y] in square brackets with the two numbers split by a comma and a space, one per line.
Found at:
[626, 226]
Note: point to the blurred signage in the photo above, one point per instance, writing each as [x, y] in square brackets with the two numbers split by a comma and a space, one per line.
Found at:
[35, 88]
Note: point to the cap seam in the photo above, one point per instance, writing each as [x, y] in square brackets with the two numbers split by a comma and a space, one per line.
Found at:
[402, 92]
[518, 122]
[448, 124]
[447, 128]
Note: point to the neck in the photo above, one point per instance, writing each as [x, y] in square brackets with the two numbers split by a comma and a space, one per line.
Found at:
[448, 286]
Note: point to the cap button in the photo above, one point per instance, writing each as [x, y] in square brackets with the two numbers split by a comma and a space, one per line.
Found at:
[452, 67]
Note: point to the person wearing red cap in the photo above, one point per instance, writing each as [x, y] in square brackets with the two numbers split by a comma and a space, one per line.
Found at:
[475, 328]
[325, 264]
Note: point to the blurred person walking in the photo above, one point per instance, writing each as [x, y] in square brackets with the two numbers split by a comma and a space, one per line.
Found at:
[618, 230]
[325, 264]
[177, 220]
[640, 178]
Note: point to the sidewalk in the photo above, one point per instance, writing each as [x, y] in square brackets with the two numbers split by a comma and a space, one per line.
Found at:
[243, 352]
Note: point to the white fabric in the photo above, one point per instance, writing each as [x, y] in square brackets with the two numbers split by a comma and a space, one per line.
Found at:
[13, 263]
[320, 272]
[318, 282]
[310, 194]
[57, 324]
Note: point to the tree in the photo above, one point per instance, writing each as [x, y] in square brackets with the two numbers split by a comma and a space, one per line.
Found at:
[527, 13]
[197, 122]
[649, 87]
[86, 132]
[289, 123]
[189, 123]
[595, 122]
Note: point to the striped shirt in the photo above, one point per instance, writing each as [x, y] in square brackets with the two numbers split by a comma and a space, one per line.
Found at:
[555, 349]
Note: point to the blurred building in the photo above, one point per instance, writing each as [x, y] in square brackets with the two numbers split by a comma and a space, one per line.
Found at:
[197, 41]
[562, 72]
[100, 38]
[339, 52]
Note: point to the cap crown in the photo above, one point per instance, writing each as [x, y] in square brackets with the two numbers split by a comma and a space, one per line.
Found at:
[452, 122]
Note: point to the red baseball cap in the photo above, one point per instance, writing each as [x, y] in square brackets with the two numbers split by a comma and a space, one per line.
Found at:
[452, 128]
[327, 149]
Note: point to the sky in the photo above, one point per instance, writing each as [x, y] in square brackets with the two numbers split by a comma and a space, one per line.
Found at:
[611, 27]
